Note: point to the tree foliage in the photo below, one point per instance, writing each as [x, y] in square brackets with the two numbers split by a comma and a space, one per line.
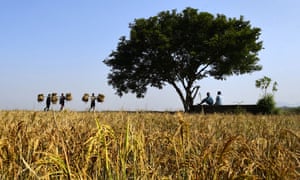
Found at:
[181, 48]
[264, 83]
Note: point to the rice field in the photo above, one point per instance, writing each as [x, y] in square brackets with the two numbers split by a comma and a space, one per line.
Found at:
[143, 145]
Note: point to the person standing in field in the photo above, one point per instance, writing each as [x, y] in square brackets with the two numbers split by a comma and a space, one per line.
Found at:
[62, 101]
[218, 99]
[208, 100]
[48, 102]
[93, 102]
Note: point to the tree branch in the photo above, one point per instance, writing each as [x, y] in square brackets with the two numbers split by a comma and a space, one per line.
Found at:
[198, 74]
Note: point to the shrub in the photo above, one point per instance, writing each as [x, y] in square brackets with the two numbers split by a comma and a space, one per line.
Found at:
[267, 104]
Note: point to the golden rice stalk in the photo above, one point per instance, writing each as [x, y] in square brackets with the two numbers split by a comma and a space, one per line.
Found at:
[40, 98]
[85, 97]
[29, 168]
[69, 97]
[54, 98]
[100, 98]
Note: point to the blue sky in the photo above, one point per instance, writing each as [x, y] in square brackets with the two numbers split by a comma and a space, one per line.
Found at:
[59, 45]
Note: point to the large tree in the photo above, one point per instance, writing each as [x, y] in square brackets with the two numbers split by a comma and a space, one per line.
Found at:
[180, 49]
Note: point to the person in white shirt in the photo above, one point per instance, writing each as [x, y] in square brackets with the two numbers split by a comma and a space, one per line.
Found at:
[218, 99]
[93, 102]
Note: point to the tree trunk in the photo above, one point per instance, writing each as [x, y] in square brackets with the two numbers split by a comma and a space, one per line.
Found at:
[188, 100]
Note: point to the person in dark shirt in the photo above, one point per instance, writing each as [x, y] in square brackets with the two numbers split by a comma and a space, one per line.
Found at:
[48, 102]
[62, 101]
[208, 100]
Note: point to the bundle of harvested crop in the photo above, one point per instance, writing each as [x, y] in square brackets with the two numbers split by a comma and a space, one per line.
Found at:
[40, 97]
[68, 96]
[54, 98]
[100, 98]
[85, 97]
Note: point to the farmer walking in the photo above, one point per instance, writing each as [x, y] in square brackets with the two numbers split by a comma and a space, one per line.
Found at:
[62, 101]
[48, 102]
[93, 102]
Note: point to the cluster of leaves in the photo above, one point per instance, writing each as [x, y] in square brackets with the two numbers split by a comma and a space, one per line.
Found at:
[267, 104]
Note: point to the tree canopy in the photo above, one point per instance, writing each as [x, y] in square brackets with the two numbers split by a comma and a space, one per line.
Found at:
[181, 48]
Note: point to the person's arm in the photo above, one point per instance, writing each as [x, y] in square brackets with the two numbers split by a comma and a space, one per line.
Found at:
[203, 100]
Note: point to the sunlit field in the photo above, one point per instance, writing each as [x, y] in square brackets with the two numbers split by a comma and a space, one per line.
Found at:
[122, 145]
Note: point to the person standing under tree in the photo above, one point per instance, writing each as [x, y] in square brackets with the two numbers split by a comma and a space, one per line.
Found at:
[62, 101]
[48, 102]
[93, 102]
[218, 99]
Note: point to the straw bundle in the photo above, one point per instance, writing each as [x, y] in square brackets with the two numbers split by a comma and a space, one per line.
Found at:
[40, 98]
[100, 98]
[85, 97]
[54, 98]
[68, 96]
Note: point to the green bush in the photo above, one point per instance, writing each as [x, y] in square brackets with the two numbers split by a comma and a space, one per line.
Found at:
[267, 104]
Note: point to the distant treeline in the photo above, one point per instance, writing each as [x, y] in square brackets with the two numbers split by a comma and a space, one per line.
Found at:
[290, 110]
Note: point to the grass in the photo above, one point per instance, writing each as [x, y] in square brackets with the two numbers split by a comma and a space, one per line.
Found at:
[120, 145]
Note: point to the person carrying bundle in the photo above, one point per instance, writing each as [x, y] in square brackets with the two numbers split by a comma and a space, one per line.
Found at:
[93, 102]
[48, 102]
[62, 101]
